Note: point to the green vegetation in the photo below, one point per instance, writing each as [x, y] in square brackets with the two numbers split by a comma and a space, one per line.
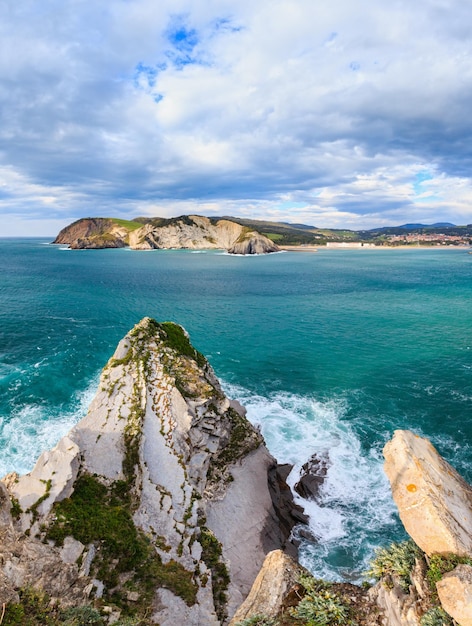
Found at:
[129, 225]
[100, 515]
[35, 609]
[395, 562]
[243, 439]
[274, 236]
[16, 509]
[177, 339]
[436, 617]
[212, 557]
[321, 606]
[34, 507]
[440, 564]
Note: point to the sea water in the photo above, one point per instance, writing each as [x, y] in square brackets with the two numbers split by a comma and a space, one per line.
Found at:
[330, 352]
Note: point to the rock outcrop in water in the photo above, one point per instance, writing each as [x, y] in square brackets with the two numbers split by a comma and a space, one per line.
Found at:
[192, 232]
[157, 501]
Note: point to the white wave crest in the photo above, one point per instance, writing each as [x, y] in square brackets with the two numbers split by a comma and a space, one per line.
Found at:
[32, 429]
[354, 509]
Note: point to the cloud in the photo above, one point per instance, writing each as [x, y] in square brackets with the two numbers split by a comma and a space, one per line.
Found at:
[131, 108]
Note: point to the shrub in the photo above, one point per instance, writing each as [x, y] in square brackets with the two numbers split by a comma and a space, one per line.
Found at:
[82, 616]
[321, 606]
[436, 617]
[440, 564]
[396, 562]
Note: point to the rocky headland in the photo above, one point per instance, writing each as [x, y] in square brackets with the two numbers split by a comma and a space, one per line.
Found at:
[163, 506]
[191, 232]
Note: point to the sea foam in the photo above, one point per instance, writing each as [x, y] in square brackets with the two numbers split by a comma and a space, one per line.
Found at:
[354, 507]
[33, 428]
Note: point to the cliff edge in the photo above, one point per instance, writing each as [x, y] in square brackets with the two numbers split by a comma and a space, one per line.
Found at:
[157, 503]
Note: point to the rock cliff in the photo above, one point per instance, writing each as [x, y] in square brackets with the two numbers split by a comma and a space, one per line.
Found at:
[192, 232]
[157, 502]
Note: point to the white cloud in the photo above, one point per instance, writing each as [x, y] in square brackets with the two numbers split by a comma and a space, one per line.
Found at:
[132, 106]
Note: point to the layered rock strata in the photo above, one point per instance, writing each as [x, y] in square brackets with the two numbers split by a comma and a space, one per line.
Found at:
[192, 232]
[158, 497]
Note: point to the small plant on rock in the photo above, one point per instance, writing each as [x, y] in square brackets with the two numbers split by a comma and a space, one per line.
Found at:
[436, 617]
[321, 606]
[395, 563]
[440, 564]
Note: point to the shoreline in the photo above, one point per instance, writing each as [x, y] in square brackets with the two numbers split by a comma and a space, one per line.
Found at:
[310, 248]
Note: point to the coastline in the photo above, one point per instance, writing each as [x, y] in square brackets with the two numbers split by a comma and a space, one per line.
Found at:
[310, 248]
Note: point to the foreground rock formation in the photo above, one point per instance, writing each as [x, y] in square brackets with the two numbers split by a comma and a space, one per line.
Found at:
[192, 232]
[426, 581]
[157, 501]
[434, 502]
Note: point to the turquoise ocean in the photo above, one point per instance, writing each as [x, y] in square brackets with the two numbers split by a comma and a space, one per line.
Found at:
[330, 352]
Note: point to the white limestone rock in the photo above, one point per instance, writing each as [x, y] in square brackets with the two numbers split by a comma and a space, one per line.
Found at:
[433, 500]
[161, 425]
[278, 574]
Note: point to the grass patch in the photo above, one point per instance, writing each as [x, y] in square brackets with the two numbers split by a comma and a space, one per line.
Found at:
[129, 225]
[178, 341]
[212, 557]
[273, 236]
[436, 617]
[440, 564]
[100, 515]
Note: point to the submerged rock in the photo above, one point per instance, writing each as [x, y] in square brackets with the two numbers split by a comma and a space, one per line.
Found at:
[160, 493]
[434, 502]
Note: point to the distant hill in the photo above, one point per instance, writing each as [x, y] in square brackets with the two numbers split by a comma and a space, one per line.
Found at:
[225, 232]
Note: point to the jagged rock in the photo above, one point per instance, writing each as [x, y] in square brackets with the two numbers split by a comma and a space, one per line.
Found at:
[278, 574]
[312, 476]
[27, 562]
[434, 502]
[5, 507]
[400, 608]
[455, 594]
[253, 243]
[162, 448]
[288, 512]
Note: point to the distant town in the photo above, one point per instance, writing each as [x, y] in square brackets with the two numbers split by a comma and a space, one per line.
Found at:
[440, 234]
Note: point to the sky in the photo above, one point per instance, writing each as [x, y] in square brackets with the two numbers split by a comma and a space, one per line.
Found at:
[341, 114]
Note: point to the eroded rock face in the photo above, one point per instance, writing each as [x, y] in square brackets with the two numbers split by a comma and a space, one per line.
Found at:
[253, 243]
[434, 502]
[455, 594]
[163, 448]
[193, 232]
